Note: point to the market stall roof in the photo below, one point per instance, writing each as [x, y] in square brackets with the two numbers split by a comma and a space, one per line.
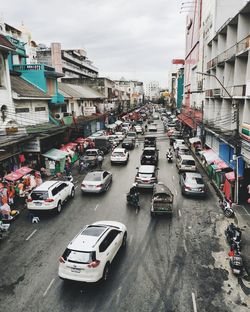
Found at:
[55, 154]
[194, 140]
[70, 145]
[13, 176]
[24, 170]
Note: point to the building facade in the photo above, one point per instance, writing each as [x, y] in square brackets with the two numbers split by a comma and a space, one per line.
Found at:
[152, 91]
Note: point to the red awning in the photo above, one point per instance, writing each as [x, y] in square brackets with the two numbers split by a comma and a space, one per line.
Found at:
[187, 120]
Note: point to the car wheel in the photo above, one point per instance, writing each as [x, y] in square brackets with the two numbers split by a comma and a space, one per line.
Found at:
[72, 194]
[111, 163]
[59, 207]
[152, 213]
[105, 274]
[124, 240]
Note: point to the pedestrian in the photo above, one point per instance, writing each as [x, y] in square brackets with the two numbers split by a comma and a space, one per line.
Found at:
[99, 161]
[146, 127]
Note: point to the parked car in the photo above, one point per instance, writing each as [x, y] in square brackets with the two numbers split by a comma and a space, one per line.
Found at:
[119, 156]
[186, 163]
[120, 135]
[182, 150]
[91, 155]
[152, 127]
[138, 129]
[162, 200]
[146, 176]
[192, 184]
[89, 255]
[96, 181]
[178, 143]
[150, 156]
[128, 143]
[50, 195]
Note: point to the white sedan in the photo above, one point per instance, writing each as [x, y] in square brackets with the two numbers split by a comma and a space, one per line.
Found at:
[119, 155]
[138, 129]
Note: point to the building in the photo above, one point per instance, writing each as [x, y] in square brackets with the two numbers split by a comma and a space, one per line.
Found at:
[152, 91]
[72, 63]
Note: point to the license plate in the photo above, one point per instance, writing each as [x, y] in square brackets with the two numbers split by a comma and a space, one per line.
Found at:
[236, 271]
[38, 204]
[75, 270]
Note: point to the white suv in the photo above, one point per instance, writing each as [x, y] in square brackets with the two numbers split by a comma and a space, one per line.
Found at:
[50, 195]
[119, 155]
[89, 255]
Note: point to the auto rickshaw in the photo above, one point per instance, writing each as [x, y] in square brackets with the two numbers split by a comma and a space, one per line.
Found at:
[162, 200]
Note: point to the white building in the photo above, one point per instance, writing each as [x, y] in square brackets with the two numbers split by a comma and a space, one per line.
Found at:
[152, 90]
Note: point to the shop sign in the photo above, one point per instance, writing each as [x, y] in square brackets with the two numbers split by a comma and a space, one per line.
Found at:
[11, 130]
[32, 146]
[88, 111]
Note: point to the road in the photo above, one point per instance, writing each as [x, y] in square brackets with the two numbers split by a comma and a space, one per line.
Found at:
[168, 264]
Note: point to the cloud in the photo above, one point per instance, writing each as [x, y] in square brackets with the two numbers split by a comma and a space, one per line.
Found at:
[119, 36]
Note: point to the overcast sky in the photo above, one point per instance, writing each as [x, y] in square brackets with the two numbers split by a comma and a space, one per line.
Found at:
[136, 39]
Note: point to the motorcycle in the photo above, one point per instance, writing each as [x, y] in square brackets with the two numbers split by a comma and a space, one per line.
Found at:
[133, 200]
[236, 264]
[227, 208]
[233, 236]
[4, 228]
[10, 217]
[169, 157]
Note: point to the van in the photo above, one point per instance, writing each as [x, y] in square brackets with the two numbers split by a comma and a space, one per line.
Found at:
[186, 163]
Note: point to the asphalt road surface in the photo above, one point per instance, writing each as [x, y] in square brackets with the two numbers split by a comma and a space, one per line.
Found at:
[168, 264]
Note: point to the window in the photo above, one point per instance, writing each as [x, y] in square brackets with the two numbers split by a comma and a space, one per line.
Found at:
[55, 191]
[1, 71]
[40, 109]
[39, 195]
[22, 110]
[108, 240]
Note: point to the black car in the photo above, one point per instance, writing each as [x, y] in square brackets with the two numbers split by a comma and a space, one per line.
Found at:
[149, 156]
[128, 143]
[150, 141]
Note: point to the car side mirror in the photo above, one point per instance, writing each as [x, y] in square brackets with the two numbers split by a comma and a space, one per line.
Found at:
[137, 168]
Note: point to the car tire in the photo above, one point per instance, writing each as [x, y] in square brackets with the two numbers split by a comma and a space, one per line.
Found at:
[124, 240]
[72, 194]
[152, 214]
[59, 207]
[106, 270]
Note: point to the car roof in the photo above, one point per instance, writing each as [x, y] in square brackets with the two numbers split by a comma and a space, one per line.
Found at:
[92, 149]
[193, 175]
[188, 157]
[46, 185]
[119, 150]
[151, 148]
[146, 168]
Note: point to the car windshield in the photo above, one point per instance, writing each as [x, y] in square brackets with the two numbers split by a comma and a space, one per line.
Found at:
[119, 154]
[39, 195]
[131, 134]
[197, 180]
[188, 162]
[93, 176]
[77, 256]
[91, 153]
[145, 175]
[149, 152]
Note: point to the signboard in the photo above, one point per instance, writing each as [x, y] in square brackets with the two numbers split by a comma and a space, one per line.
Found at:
[178, 61]
[32, 146]
[88, 111]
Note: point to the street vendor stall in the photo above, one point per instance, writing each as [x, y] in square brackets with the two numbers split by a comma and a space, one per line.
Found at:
[56, 160]
[70, 148]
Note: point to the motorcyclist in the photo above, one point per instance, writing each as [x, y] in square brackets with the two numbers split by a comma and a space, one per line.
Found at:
[100, 160]
[134, 190]
[169, 153]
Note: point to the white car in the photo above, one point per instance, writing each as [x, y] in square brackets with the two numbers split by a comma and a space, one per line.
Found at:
[138, 129]
[89, 255]
[119, 155]
[120, 135]
[50, 195]
[178, 143]
[152, 127]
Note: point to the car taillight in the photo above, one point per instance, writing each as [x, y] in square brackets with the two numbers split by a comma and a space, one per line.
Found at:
[61, 260]
[83, 185]
[49, 200]
[99, 185]
[29, 200]
[188, 187]
[94, 264]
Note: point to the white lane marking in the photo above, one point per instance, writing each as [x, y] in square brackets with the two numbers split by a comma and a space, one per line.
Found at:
[31, 235]
[184, 245]
[96, 207]
[50, 284]
[118, 295]
[130, 240]
[76, 186]
[173, 178]
[176, 192]
[179, 213]
[194, 302]
[245, 210]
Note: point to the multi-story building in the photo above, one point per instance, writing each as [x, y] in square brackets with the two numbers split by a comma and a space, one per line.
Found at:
[72, 63]
[152, 90]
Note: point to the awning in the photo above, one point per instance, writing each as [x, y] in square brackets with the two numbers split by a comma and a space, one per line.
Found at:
[209, 155]
[187, 120]
[118, 122]
[230, 176]
[13, 176]
[195, 140]
[24, 170]
[55, 154]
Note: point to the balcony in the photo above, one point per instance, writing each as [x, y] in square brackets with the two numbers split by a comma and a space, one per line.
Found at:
[81, 63]
[80, 71]
[20, 49]
[243, 46]
[235, 91]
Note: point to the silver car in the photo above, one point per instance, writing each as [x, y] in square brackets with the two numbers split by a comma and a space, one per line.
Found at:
[192, 184]
[96, 181]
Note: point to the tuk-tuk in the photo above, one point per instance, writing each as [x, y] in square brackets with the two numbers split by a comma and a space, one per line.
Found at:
[162, 200]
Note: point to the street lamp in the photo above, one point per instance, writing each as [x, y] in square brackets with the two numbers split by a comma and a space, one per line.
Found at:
[236, 149]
